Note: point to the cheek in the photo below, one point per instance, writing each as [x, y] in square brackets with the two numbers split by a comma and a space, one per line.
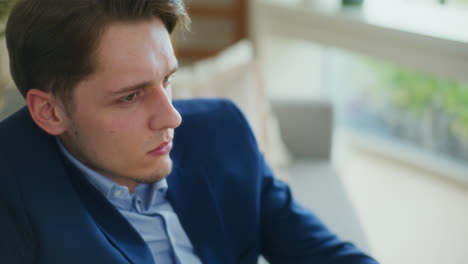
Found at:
[122, 132]
[122, 125]
[111, 129]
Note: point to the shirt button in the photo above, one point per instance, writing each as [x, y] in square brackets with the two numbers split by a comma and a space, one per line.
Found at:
[117, 193]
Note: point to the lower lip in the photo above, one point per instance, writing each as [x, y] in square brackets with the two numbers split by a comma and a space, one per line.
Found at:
[163, 150]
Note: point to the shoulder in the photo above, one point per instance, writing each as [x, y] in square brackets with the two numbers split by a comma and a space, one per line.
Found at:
[20, 137]
[212, 119]
[22, 173]
[14, 132]
[14, 124]
[208, 110]
[214, 132]
[26, 151]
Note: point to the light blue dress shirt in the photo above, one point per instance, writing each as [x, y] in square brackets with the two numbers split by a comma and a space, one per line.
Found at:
[149, 212]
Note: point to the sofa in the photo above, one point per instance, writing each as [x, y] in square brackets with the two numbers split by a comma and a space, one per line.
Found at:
[307, 131]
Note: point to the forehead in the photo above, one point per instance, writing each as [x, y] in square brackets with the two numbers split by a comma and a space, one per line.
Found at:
[135, 49]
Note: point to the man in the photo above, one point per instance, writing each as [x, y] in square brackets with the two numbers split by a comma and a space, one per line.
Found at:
[93, 172]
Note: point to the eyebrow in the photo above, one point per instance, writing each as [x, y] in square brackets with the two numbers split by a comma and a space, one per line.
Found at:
[141, 85]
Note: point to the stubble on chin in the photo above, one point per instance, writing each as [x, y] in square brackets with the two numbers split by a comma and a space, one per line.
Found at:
[156, 176]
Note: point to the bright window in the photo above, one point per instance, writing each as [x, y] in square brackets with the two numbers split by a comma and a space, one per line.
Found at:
[397, 104]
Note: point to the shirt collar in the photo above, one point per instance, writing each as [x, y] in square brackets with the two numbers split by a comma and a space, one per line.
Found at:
[119, 195]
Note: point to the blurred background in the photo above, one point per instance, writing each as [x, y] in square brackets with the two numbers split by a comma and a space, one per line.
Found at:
[362, 106]
[394, 74]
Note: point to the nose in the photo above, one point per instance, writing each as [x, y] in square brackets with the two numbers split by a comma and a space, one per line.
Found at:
[163, 113]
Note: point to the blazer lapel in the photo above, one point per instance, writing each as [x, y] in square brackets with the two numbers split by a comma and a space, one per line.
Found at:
[114, 226]
[192, 199]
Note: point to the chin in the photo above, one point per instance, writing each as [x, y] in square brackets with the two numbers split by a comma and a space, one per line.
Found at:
[158, 173]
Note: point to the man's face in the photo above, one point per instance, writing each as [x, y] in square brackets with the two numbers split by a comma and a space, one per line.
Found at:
[122, 120]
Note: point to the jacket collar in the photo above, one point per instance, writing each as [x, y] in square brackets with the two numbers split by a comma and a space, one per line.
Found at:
[114, 226]
[191, 196]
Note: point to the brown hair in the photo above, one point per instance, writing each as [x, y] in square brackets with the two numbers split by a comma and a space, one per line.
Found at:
[51, 42]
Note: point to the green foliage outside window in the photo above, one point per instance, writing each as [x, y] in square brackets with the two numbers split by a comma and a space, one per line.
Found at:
[5, 7]
[421, 108]
[458, 2]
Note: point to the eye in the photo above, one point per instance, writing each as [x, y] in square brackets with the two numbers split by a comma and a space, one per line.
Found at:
[129, 98]
[167, 79]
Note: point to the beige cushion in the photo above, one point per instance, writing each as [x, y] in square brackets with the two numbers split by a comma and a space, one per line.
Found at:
[235, 74]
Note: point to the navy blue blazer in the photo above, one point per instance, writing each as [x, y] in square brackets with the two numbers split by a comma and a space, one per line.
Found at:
[228, 201]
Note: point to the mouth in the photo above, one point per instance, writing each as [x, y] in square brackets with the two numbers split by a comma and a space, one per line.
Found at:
[162, 149]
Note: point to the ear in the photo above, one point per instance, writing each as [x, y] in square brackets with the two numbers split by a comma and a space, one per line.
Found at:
[47, 111]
